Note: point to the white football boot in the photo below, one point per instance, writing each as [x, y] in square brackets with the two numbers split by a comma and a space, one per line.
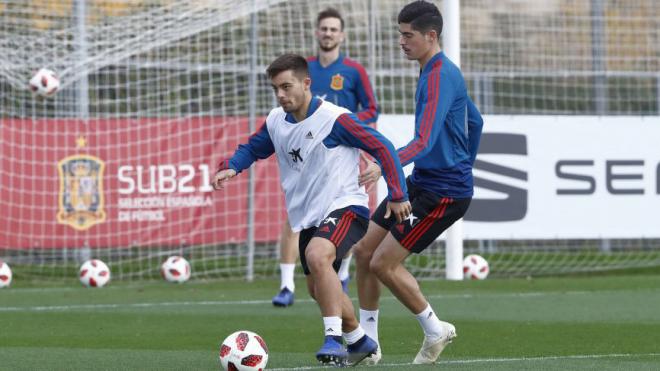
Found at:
[373, 359]
[431, 349]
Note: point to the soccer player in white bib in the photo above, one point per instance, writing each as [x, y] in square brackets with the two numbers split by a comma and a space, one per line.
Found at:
[344, 82]
[317, 147]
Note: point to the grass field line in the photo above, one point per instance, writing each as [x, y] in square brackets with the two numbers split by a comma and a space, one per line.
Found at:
[45, 308]
[501, 360]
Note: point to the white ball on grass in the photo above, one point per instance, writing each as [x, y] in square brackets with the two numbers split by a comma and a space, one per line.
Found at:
[94, 273]
[175, 269]
[475, 267]
[5, 275]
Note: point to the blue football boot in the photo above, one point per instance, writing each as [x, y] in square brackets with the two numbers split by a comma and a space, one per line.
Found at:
[284, 298]
[332, 352]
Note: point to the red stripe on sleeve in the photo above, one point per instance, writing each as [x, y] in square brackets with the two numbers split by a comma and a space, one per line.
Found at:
[428, 116]
[368, 112]
[376, 145]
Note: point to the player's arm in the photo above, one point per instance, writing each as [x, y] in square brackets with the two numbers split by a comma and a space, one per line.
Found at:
[259, 146]
[435, 106]
[475, 126]
[350, 131]
[365, 93]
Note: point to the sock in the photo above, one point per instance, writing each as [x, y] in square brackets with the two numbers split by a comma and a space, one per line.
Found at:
[430, 323]
[369, 322]
[353, 336]
[332, 326]
[286, 271]
[344, 268]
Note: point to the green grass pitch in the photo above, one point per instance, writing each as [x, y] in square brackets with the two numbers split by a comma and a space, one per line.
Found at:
[605, 322]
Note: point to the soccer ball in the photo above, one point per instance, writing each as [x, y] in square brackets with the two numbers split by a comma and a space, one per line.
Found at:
[94, 273]
[45, 83]
[475, 267]
[175, 269]
[5, 274]
[243, 351]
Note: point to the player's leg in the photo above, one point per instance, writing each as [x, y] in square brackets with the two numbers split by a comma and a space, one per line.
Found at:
[332, 351]
[430, 216]
[367, 282]
[336, 235]
[387, 265]
[369, 286]
[359, 345]
[319, 256]
[288, 257]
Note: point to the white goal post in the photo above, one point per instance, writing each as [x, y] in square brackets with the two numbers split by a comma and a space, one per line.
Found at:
[451, 39]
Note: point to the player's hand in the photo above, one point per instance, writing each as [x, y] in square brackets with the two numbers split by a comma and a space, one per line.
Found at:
[369, 176]
[400, 210]
[221, 177]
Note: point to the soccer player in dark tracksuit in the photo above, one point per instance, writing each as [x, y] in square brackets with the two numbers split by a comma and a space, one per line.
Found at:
[447, 131]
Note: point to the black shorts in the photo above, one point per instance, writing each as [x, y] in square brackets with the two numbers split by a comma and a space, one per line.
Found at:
[343, 227]
[431, 215]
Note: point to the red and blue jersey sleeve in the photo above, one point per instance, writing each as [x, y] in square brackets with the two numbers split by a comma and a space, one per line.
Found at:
[365, 94]
[259, 146]
[434, 101]
[351, 131]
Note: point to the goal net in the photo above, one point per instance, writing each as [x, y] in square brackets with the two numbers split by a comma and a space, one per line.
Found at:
[153, 94]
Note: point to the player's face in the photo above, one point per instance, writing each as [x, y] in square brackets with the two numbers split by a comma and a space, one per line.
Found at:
[415, 45]
[290, 90]
[329, 34]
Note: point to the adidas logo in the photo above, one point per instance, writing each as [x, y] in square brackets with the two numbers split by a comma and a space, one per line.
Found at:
[430, 315]
[309, 135]
[329, 329]
[371, 319]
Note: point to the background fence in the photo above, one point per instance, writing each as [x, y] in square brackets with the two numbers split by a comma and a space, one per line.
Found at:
[159, 91]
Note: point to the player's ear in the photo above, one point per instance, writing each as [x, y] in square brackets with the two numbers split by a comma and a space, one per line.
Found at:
[431, 36]
[307, 82]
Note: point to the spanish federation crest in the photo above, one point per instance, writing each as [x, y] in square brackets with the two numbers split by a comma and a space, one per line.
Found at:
[337, 82]
[81, 191]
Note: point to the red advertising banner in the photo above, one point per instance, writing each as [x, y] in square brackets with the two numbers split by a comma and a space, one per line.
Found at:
[129, 182]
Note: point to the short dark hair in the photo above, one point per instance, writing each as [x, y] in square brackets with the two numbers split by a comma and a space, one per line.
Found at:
[293, 62]
[330, 13]
[422, 16]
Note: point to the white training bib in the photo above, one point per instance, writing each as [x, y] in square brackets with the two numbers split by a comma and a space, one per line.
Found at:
[315, 179]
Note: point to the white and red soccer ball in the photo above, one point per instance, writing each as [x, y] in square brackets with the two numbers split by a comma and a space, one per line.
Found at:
[94, 273]
[175, 269]
[45, 82]
[475, 267]
[243, 351]
[5, 274]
